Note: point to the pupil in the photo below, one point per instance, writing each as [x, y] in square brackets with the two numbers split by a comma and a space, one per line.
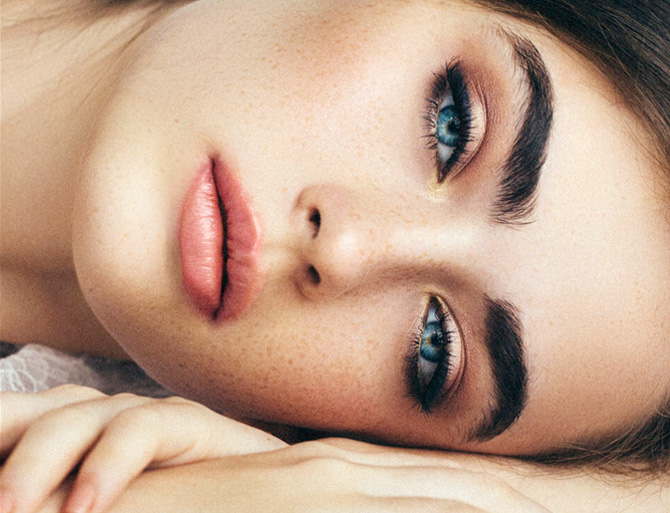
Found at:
[448, 126]
[432, 344]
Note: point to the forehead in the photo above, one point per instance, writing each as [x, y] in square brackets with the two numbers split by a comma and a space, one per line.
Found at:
[593, 287]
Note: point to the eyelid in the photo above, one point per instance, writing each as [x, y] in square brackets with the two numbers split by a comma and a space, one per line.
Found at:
[443, 83]
[455, 366]
[458, 351]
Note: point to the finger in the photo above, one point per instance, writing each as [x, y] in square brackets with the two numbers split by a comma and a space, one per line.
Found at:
[167, 433]
[192, 432]
[19, 409]
[128, 445]
[53, 445]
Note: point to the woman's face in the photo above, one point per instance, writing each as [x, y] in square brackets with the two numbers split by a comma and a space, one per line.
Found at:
[370, 146]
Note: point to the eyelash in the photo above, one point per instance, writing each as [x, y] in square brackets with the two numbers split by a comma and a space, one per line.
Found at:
[427, 395]
[451, 80]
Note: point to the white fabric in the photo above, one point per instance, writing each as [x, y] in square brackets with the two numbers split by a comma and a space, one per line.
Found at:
[34, 368]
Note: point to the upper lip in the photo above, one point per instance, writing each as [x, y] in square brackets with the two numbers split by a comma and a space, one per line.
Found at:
[243, 279]
[220, 240]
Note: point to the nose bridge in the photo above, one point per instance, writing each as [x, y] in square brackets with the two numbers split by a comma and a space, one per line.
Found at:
[356, 239]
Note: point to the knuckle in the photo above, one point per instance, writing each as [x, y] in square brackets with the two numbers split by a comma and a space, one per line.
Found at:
[125, 396]
[178, 401]
[184, 404]
[76, 391]
[142, 415]
[127, 400]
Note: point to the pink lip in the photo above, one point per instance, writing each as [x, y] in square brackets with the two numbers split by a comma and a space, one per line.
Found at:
[219, 253]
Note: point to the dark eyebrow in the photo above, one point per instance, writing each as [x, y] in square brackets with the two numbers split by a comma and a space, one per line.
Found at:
[510, 375]
[521, 172]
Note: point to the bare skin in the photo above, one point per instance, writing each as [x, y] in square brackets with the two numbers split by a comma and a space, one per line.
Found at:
[181, 486]
[44, 300]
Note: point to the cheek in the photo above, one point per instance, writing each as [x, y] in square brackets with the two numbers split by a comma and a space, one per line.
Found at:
[335, 365]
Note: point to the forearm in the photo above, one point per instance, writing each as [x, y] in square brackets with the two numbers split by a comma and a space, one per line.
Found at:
[250, 484]
[598, 493]
[576, 490]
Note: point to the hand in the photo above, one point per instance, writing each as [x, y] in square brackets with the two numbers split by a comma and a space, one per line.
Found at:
[339, 475]
[359, 476]
[114, 438]
[329, 476]
[577, 489]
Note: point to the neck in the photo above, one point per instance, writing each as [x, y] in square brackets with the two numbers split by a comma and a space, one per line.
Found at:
[57, 69]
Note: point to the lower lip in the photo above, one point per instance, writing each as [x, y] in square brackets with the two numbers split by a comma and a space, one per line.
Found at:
[219, 253]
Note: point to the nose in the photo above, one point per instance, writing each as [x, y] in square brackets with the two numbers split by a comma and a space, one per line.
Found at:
[349, 240]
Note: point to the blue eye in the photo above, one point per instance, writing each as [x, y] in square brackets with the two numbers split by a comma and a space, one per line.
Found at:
[435, 358]
[449, 119]
[432, 342]
[447, 129]
[433, 347]
[448, 126]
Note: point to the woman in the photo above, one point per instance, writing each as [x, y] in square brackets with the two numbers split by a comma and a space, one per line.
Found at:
[429, 224]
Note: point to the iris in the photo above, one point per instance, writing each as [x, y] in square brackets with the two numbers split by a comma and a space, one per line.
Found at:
[432, 342]
[448, 126]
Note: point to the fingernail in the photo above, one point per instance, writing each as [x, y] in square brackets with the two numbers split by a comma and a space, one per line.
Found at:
[6, 501]
[81, 499]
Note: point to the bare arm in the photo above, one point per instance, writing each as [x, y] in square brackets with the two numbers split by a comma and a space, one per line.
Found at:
[302, 478]
[245, 471]
[577, 490]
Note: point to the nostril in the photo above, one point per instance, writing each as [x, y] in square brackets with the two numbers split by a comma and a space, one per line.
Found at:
[315, 221]
[313, 275]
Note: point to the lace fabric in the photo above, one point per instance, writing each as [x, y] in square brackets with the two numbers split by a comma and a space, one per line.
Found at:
[35, 368]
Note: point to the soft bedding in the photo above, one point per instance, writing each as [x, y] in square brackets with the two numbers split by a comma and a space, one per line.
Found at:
[35, 368]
